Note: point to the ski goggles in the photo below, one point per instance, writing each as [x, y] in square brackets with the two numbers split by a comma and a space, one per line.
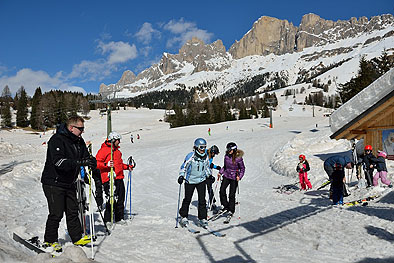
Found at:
[202, 147]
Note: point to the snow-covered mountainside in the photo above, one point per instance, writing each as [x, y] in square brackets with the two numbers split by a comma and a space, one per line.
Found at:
[318, 50]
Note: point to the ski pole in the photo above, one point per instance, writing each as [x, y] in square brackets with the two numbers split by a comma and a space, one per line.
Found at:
[101, 214]
[177, 211]
[128, 193]
[213, 192]
[239, 205]
[91, 212]
[112, 185]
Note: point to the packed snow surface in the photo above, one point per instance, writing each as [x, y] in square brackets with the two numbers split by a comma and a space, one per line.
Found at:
[267, 226]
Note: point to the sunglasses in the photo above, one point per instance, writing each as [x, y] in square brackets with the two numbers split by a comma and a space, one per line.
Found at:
[80, 128]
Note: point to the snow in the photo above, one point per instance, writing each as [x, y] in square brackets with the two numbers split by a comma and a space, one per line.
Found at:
[273, 227]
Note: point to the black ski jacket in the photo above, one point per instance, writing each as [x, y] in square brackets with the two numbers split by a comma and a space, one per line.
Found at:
[380, 164]
[64, 149]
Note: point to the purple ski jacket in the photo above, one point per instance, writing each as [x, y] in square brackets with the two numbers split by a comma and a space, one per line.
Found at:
[230, 170]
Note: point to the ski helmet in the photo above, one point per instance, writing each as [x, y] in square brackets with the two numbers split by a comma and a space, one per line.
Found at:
[113, 136]
[383, 154]
[200, 143]
[231, 146]
[214, 149]
[368, 147]
[301, 157]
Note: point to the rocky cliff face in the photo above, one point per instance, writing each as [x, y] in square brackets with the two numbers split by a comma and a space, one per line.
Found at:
[268, 35]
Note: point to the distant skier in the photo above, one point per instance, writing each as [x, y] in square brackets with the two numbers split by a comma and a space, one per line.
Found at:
[138, 136]
[302, 169]
[367, 160]
[214, 150]
[381, 168]
[194, 171]
[209, 131]
[131, 138]
[233, 170]
[104, 163]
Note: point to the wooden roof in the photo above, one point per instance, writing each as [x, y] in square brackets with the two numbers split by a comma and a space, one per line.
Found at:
[378, 116]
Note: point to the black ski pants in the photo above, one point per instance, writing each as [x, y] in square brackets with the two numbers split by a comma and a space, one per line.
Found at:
[230, 203]
[61, 200]
[369, 176]
[119, 197]
[99, 187]
[211, 194]
[202, 206]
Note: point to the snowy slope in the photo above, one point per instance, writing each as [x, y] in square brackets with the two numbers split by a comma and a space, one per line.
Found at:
[273, 227]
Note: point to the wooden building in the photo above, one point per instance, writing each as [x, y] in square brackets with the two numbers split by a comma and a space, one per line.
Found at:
[369, 116]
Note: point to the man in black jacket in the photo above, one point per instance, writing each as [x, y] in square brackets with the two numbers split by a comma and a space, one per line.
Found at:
[66, 153]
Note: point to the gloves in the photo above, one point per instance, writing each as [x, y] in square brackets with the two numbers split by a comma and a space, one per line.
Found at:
[211, 165]
[110, 164]
[180, 179]
[218, 168]
[211, 179]
[89, 161]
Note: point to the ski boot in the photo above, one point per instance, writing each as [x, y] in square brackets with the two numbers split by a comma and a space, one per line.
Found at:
[202, 222]
[83, 241]
[56, 247]
[184, 222]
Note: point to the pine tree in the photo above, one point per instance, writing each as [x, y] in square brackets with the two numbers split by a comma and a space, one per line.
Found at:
[22, 111]
[36, 110]
[6, 115]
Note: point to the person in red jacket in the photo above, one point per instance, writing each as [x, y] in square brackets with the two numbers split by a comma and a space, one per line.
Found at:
[104, 163]
[302, 169]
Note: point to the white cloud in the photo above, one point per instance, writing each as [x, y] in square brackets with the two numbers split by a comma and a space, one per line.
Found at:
[184, 31]
[92, 70]
[31, 79]
[146, 33]
[119, 52]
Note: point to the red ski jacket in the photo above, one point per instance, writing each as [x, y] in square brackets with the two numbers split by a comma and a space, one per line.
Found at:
[104, 156]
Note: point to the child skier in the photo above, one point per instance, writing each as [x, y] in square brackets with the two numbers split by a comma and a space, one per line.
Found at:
[233, 170]
[214, 150]
[194, 171]
[367, 160]
[335, 169]
[381, 170]
[104, 163]
[337, 184]
[302, 169]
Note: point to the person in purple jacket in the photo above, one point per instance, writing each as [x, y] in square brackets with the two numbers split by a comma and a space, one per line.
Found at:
[233, 170]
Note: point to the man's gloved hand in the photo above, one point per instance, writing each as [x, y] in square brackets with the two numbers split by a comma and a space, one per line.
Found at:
[218, 168]
[110, 164]
[180, 179]
[89, 161]
[211, 165]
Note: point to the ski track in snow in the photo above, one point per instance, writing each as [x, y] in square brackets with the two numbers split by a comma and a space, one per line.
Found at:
[300, 227]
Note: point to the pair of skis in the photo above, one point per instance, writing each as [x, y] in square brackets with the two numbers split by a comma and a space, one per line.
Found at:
[33, 244]
[210, 230]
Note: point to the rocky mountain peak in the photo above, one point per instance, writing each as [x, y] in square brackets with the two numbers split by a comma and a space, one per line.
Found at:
[268, 35]
[127, 77]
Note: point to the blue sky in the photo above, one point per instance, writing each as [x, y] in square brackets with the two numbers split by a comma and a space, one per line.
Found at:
[77, 45]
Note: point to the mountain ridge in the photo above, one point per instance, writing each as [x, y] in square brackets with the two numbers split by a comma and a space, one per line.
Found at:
[306, 47]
